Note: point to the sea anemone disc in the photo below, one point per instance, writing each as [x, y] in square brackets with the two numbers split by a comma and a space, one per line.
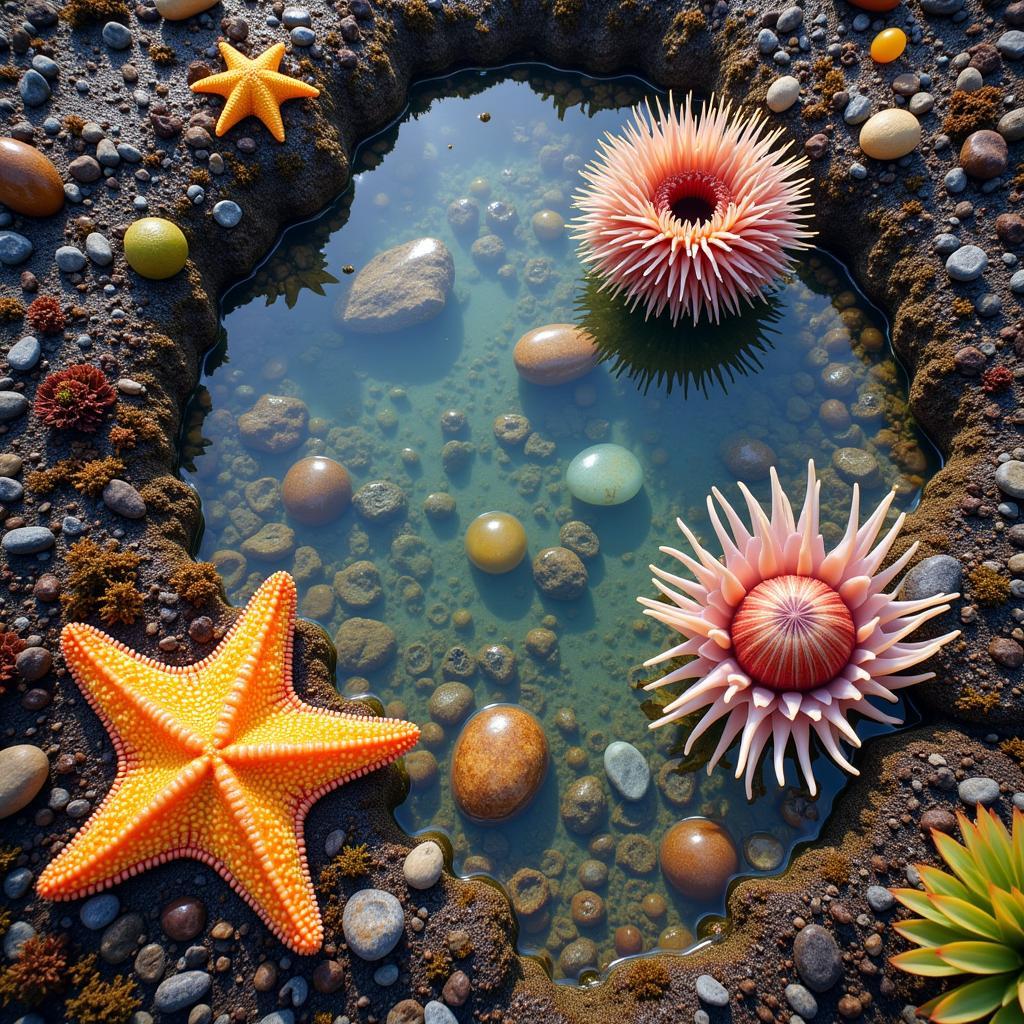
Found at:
[691, 212]
[784, 639]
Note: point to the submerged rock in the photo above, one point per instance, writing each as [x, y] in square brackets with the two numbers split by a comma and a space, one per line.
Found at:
[498, 764]
[400, 287]
[698, 858]
[364, 645]
[276, 423]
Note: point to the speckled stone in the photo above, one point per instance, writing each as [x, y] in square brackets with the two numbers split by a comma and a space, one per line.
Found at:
[24, 769]
[890, 134]
[554, 354]
[498, 764]
[373, 922]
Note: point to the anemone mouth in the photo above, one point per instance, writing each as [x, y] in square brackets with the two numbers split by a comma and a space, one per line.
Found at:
[793, 633]
[692, 197]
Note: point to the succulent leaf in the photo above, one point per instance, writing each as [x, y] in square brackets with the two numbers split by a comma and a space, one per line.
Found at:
[925, 962]
[926, 933]
[962, 863]
[968, 916]
[1009, 1014]
[921, 903]
[979, 957]
[970, 1002]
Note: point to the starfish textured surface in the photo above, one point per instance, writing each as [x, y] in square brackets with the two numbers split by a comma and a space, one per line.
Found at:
[783, 639]
[693, 213]
[253, 88]
[219, 761]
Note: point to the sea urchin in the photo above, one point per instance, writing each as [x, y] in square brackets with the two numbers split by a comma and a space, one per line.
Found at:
[75, 398]
[785, 639]
[691, 212]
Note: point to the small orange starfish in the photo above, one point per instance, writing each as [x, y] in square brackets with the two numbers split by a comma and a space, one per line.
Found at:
[253, 88]
[219, 761]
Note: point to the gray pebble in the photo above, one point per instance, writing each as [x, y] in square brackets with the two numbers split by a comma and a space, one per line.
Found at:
[10, 490]
[47, 67]
[70, 259]
[17, 883]
[98, 911]
[979, 790]
[302, 36]
[437, 1013]
[858, 110]
[767, 41]
[801, 1001]
[120, 497]
[817, 958]
[15, 937]
[34, 89]
[373, 922]
[181, 990]
[27, 540]
[1009, 478]
[386, 975]
[946, 244]
[1011, 44]
[24, 354]
[1011, 125]
[117, 36]
[710, 990]
[955, 181]
[107, 154]
[293, 17]
[33, 663]
[334, 842]
[790, 19]
[1017, 283]
[78, 809]
[97, 248]
[967, 264]
[627, 770]
[227, 213]
[14, 248]
[939, 574]
[879, 899]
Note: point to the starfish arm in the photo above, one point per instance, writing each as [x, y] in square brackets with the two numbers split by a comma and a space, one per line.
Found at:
[222, 84]
[134, 695]
[254, 841]
[284, 87]
[254, 660]
[146, 818]
[310, 748]
[268, 60]
[238, 105]
[267, 107]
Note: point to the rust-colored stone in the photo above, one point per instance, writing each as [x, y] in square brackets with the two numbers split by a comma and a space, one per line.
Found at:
[698, 857]
[316, 490]
[554, 354]
[29, 183]
[499, 763]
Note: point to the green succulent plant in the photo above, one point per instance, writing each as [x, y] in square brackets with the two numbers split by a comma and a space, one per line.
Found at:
[971, 922]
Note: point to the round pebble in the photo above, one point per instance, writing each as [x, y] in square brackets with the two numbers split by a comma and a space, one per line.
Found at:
[698, 858]
[495, 542]
[978, 790]
[890, 134]
[604, 474]
[373, 922]
[423, 865]
[783, 93]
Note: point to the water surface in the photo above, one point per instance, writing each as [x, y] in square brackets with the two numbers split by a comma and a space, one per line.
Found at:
[376, 404]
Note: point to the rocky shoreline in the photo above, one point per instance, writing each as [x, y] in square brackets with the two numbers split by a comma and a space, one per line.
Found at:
[932, 238]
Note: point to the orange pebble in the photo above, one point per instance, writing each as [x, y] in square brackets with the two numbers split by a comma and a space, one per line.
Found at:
[888, 45]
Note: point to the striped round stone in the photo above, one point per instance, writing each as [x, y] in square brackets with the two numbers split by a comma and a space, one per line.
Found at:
[792, 633]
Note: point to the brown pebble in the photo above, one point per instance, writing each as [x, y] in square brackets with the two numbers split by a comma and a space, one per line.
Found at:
[1010, 229]
[1006, 652]
[938, 818]
[457, 989]
[183, 919]
[984, 155]
[328, 976]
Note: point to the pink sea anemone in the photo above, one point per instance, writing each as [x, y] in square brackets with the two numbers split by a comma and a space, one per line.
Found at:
[691, 212]
[785, 639]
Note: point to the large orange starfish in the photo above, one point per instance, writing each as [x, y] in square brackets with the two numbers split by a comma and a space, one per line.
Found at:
[220, 761]
[253, 88]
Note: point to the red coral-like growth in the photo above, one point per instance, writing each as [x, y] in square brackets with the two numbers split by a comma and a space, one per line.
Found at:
[75, 398]
[46, 316]
[996, 379]
[11, 645]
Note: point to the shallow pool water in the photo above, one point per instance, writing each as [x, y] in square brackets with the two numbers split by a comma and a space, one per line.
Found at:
[806, 375]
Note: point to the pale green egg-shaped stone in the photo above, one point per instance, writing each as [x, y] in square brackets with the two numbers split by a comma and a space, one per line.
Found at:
[604, 474]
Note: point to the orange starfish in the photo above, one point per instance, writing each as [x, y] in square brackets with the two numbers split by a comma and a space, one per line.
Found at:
[219, 761]
[253, 88]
